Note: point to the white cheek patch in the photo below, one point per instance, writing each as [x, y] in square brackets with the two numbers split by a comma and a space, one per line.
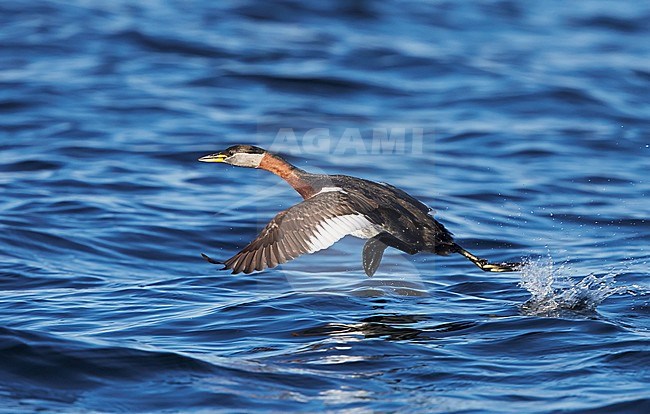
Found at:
[246, 160]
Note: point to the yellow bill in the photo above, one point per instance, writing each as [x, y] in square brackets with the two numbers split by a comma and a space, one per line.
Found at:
[213, 158]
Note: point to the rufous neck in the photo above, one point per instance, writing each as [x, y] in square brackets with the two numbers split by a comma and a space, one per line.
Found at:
[292, 175]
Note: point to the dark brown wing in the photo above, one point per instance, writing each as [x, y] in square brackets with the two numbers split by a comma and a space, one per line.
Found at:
[312, 225]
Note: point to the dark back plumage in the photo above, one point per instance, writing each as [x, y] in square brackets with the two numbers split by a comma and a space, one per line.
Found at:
[400, 214]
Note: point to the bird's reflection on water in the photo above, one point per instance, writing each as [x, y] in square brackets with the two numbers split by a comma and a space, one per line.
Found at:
[388, 327]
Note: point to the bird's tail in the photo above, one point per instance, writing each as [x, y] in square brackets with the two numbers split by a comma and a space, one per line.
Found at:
[486, 266]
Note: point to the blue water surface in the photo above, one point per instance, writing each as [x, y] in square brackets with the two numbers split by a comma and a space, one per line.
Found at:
[525, 125]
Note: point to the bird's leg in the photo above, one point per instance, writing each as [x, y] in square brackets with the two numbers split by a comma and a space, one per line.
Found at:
[486, 266]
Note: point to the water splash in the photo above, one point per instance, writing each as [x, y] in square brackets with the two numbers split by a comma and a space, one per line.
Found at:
[554, 293]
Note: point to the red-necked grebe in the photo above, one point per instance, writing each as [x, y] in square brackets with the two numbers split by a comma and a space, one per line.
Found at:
[333, 207]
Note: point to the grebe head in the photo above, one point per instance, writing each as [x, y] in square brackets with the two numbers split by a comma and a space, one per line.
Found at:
[239, 155]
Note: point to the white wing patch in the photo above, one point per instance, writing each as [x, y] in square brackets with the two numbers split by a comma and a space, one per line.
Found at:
[330, 190]
[329, 231]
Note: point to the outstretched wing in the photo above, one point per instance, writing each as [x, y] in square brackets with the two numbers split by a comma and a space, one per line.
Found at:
[307, 227]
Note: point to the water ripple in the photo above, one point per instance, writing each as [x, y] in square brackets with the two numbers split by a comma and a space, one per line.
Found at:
[534, 143]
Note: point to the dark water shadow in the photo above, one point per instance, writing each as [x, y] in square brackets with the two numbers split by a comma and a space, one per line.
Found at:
[389, 327]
